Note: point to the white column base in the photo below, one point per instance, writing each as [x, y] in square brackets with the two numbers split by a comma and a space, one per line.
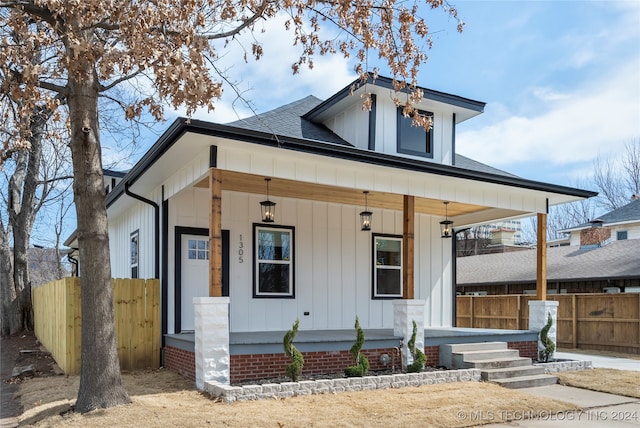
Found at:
[539, 311]
[212, 341]
[404, 313]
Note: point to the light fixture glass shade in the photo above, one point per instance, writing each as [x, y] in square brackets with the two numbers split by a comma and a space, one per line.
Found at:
[365, 220]
[268, 208]
[268, 211]
[445, 228]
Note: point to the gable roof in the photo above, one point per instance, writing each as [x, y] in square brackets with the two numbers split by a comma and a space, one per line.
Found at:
[466, 107]
[614, 261]
[629, 213]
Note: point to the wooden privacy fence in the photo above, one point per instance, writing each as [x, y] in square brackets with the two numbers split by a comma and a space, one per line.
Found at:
[600, 321]
[58, 321]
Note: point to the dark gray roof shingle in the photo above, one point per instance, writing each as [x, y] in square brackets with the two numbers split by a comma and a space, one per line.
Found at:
[287, 121]
[616, 260]
[627, 213]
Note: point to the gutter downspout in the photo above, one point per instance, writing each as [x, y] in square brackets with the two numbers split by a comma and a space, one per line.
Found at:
[156, 209]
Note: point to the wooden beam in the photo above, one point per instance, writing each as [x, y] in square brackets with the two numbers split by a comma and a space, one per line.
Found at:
[215, 233]
[541, 266]
[408, 246]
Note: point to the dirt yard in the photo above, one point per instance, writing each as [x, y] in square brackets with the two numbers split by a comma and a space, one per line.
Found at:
[163, 398]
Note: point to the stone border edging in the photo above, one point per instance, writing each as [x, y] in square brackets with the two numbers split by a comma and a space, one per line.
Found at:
[563, 366]
[229, 393]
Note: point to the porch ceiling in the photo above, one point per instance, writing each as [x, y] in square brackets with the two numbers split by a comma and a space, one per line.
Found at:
[250, 183]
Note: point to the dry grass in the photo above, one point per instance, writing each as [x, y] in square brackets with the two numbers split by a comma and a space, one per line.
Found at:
[620, 382]
[162, 398]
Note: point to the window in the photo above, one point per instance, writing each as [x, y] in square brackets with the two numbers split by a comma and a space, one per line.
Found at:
[387, 266]
[273, 249]
[414, 140]
[198, 249]
[134, 244]
[621, 235]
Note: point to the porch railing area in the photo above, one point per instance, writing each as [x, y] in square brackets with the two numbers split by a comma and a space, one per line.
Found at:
[603, 321]
[58, 321]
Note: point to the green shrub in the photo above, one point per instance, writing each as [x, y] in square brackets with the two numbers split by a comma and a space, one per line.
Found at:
[547, 343]
[419, 359]
[294, 370]
[362, 364]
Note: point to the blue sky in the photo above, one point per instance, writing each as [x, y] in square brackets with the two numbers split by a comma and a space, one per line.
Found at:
[561, 80]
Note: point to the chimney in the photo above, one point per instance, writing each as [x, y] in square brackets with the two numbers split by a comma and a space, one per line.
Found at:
[596, 236]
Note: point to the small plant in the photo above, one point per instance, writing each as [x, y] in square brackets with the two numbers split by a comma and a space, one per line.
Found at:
[419, 359]
[362, 364]
[548, 347]
[294, 370]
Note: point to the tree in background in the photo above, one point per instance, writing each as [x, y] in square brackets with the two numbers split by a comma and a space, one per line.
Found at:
[91, 49]
[617, 180]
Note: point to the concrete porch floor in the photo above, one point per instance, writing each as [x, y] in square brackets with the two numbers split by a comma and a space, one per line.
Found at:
[333, 340]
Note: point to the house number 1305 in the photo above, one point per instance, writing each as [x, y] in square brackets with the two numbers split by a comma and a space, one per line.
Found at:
[240, 251]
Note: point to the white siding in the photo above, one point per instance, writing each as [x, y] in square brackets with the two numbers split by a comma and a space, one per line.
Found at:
[352, 125]
[332, 262]
[140, 217]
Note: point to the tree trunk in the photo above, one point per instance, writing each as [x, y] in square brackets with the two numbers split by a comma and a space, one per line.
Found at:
[100, 380]
[9, 318]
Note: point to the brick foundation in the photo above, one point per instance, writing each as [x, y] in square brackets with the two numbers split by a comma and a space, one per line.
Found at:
[261, 366]
[180, 361]
[527, 349]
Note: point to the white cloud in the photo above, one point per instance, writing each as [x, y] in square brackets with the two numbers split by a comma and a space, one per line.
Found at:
[600, 116]
[269, 82]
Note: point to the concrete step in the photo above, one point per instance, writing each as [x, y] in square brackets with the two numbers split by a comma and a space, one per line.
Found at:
[497, 363]
[527, 381]
[460, 360]
[456, 348]
[509, 372]
[488, 354]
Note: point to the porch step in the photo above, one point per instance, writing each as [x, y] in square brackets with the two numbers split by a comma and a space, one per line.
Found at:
[469, 359]
[510, 372]
[527, 381]
[497, 363]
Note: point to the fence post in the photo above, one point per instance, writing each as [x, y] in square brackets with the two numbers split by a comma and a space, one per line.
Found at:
[471, 311]
[574, 322]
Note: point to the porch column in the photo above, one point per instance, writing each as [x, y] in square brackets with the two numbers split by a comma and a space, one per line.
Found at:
[408, 247]
[539, 311]
[211, 325]
[215, 233]
[404, 313]
[541, 267]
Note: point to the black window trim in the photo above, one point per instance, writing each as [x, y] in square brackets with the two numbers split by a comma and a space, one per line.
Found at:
[135, 267]
[428, 134]
[292, 293]
[374, 295]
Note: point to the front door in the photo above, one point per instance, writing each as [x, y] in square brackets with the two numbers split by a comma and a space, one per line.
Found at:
[192, 271]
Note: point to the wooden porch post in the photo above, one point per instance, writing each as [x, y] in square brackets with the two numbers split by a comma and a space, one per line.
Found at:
[215, 233]
[541, 267]
[407, 247]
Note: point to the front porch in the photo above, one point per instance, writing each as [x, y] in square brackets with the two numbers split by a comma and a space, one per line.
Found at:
[260, 355]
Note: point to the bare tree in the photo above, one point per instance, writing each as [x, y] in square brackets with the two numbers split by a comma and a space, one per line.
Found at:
[92, 48]
[631, 167]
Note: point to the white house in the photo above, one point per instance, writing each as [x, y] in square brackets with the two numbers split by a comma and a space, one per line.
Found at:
[189, 212]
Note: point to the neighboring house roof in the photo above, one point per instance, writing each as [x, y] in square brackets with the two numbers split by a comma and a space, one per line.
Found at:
[629, 213]
[613, 261]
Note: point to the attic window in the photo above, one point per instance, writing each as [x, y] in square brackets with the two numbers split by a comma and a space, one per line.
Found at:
[414, 140]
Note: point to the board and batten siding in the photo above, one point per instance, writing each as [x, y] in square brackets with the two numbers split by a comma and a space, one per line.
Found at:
[140, 217]
[333, 263]
[352, 124]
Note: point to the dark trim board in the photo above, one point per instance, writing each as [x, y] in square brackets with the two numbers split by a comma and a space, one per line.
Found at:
[199, 231]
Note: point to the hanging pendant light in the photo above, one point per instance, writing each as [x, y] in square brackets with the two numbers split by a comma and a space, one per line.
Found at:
[365, 216]
[268, 207]
[445, 225]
